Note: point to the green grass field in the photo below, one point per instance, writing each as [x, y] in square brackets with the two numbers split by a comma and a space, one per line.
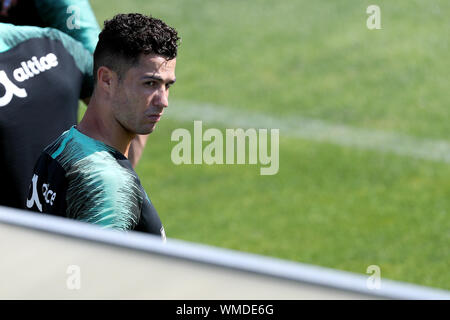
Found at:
[329, 205]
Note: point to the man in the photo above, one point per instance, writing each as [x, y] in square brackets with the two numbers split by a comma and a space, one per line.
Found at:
[85, 174]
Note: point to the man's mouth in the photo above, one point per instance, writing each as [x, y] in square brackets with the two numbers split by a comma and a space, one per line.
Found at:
[155, 117]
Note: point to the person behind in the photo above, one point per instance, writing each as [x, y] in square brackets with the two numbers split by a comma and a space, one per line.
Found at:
[43, 74]
[39, 100]
[85, 174]
[73, 17]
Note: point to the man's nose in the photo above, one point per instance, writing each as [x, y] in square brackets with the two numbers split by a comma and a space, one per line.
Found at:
[162, 98]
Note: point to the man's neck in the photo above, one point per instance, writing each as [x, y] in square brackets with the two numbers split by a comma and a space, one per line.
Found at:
[105, 129]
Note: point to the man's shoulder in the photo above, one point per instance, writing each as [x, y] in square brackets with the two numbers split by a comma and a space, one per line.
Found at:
[73, 146]
[94, 167]
[104, 168]
[100, 189]
[103, 192]
[84, 158]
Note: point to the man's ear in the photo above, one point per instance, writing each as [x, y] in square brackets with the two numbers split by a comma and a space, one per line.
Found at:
[106, 79]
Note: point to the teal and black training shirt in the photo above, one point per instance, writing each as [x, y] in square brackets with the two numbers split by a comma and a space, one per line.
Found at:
[84, 179]
[43, 74]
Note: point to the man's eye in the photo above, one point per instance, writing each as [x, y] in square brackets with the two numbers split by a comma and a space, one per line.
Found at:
[150, 83]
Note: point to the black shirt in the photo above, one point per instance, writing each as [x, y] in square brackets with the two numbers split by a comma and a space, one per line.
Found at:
[43, 74]
[84, 179]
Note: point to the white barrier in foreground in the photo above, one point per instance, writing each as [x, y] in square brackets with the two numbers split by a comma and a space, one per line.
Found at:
[45, 257]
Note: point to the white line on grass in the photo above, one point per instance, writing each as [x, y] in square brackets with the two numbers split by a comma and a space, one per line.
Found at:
[312, 129]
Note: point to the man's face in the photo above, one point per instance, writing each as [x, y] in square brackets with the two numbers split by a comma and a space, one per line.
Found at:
[143, 92]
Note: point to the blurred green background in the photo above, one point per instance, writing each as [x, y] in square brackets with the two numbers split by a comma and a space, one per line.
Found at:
[330, 205]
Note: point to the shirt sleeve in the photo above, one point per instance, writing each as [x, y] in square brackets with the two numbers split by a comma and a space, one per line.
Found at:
[105, 196]
[47, 188]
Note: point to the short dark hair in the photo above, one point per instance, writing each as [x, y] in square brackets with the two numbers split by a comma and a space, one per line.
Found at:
[126, 36]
